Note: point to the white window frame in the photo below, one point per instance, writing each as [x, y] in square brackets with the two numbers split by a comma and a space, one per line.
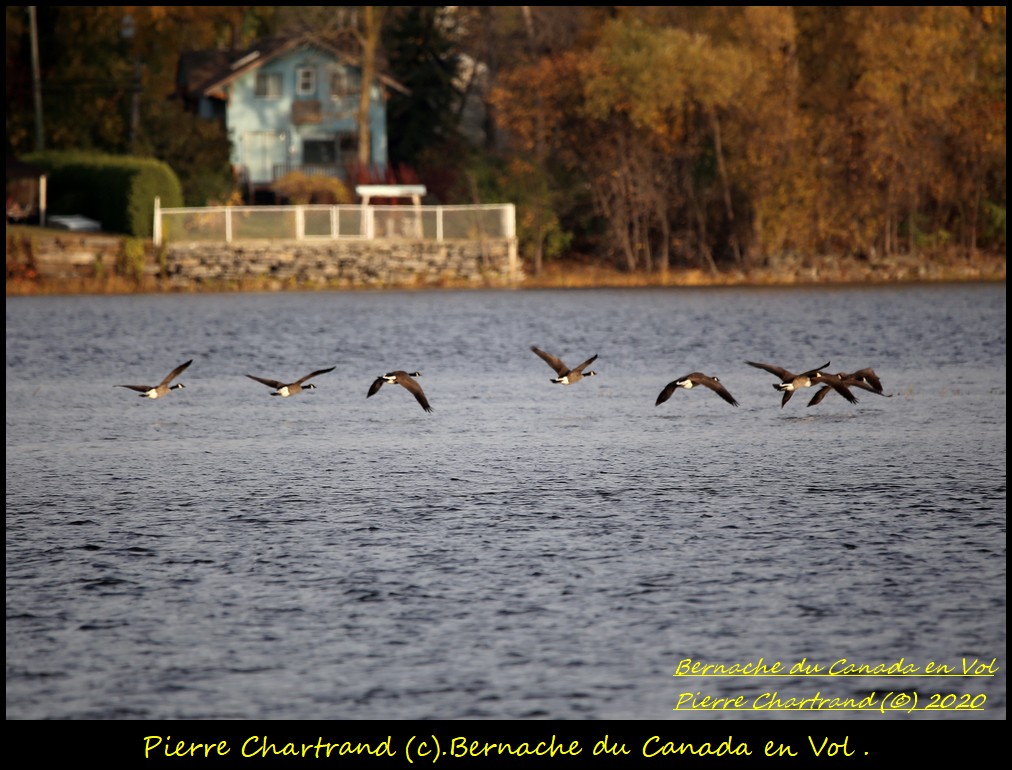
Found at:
[305, 81]
[268, 85]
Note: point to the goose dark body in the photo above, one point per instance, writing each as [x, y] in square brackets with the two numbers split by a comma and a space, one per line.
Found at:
[566, 376]
[286, 389]
[159, 390]
[790, 382]
[865, 379]
[689, 381]
[405, 380]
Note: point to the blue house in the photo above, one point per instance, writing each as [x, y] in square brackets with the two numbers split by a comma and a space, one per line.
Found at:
[289, 104]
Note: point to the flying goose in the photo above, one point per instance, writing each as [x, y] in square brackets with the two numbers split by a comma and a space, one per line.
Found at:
[404, 379]
[286, 389]
[866, 379]
[159, 390]
[691, 380]
[790, 382]
[566, 376]
[867, 376]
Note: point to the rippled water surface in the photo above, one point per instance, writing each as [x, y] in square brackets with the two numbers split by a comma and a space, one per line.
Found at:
[527, 550]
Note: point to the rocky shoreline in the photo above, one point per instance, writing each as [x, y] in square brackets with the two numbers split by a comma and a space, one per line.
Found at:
[796, 271]
[46, 263]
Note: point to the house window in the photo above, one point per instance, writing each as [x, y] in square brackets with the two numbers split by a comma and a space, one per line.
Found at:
[305, 81]
[268, 85]
[343, 83]
[319, 152]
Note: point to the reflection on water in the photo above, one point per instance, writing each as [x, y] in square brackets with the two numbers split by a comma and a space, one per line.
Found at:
[527, 550]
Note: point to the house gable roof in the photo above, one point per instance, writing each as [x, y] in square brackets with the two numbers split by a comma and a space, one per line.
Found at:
[209, 73]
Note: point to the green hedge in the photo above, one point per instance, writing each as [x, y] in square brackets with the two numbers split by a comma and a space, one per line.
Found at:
[117, 190]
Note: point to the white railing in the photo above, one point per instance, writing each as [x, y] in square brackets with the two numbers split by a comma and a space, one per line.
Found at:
[342, 222]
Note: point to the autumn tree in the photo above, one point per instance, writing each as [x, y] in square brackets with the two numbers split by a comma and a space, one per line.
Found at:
[672, 87]
[94, 75]
[740, 134]
[975, 141]
[884, 88]
[529, 100]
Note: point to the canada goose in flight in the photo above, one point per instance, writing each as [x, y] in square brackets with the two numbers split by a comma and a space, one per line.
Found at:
[790, 382]
[404, 379]
[867, 376]
[566, 376]
[286, 389]
[866, 379]
[691, 380]
[159, 390]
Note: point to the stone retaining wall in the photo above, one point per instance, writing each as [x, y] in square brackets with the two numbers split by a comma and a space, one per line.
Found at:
[376, 263]
[268, 264]
[62, 257]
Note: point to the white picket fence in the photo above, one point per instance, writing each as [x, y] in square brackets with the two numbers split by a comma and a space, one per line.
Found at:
[325, 222]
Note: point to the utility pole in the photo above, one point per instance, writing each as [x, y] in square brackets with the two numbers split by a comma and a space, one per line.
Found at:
[40, 141]
[539, 151]
[128, 30]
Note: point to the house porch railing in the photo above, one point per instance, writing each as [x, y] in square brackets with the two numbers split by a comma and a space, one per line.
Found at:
[340, 222]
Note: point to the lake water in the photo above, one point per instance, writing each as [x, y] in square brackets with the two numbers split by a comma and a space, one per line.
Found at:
[527, 550]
